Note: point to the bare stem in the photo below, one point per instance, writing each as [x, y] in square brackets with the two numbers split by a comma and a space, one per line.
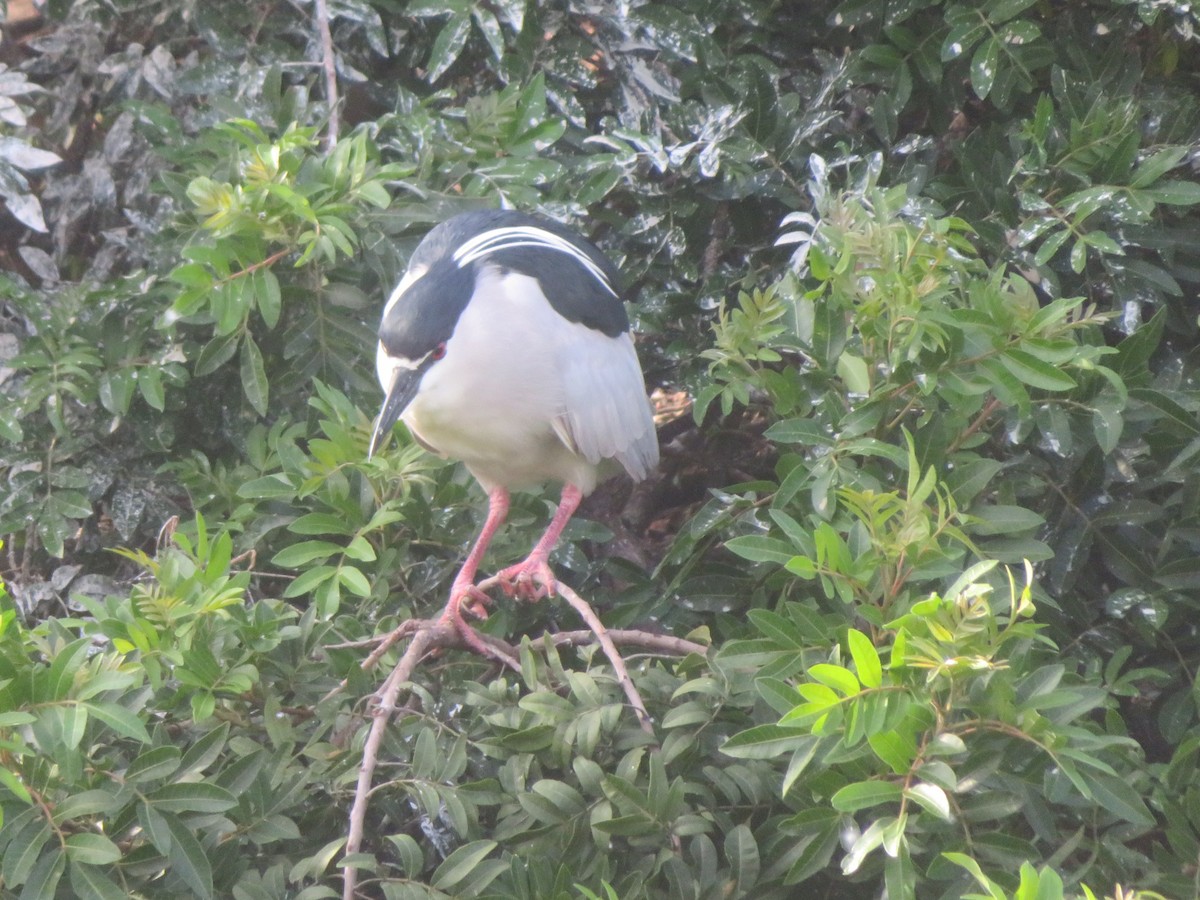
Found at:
[614, 657]
[330, 68]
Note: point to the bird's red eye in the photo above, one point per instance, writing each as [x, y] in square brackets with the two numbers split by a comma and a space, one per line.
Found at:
[439, 351]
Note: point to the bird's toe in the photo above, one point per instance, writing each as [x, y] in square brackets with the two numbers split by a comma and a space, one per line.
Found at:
[469, 599]
[532, 579]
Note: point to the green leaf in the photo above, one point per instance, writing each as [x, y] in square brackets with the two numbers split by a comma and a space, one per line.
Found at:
[767, 742]
[71, 504]
[187, 856]
[932, 798]
[968, 863]
[840, 679]
[742, 852]
[84, 803]
[116, 391]
[15, 786]
[984, 66]
[1034, 372]
[412, 860]
[44, 878]
[305, 552]
[824, 828]
[215, 354]
[92, 849]
[866, 658]
[160, 762]
[1107, 425]
[254, 376]
[149, 382]
[320, 523]
[230, 303]
[1179, 419]
[354, 580]
[864, 795]
[777, 628]
[267, 296]
[268, 487]
[1174, 193]
[489, 27]
[204, 752]
[896, 749]
[999, 11]
[456, 867]
[875, 836]
[27, 834]
[1158, 164]
[191, 275]
[119, 720]
[90, 883]
[310, 580]
[360, 549]
[201, 796]
[155, 825]
[1118, 796]
[760, 548]
[1004, 519]
[448, 45]
[66, 664]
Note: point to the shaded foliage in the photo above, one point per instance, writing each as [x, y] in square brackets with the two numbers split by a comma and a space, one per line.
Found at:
[926, 269]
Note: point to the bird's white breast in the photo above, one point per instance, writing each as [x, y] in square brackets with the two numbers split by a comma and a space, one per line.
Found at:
[496, 400]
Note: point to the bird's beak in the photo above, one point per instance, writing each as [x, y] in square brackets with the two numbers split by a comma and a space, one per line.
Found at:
[405, 384]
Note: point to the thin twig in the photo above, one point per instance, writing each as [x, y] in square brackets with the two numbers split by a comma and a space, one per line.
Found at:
[330, 67]
[426, 638]
[403, 631]
[614, 657]
[631, 637]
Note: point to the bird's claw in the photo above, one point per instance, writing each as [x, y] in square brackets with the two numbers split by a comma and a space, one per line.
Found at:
[530, 580]
[469, 599]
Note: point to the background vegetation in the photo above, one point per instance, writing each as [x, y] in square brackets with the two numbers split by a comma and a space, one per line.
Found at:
[928, 270]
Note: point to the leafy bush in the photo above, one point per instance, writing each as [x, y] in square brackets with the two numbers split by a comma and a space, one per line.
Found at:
[919, 616]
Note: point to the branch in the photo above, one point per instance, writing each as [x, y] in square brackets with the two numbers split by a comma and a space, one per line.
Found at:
[631, 637]
[427, 637]
[330, 67]
[614, 657]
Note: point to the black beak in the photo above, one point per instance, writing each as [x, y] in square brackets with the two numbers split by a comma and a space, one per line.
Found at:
[404, 387]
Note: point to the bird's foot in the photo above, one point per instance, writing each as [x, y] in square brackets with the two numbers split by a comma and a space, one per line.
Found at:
[466, 597]
[530, 580]
[471, 600]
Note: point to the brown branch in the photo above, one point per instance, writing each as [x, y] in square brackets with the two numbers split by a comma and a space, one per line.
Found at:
[614, 657]
[666, 644]
[330, 68]
[385, 704]
[980, 420]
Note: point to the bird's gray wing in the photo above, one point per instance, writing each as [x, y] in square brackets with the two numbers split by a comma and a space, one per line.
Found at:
[607, 414]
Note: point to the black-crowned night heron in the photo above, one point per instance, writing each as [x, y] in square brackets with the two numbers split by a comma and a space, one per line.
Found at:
[506, 345]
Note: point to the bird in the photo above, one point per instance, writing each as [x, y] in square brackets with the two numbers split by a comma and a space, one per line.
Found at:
[506, 345]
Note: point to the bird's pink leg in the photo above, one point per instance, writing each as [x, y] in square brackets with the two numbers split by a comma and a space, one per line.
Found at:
[463, 592]
[533, 578]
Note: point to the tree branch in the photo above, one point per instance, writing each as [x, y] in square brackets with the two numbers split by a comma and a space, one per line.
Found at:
[330, 67]
[614, 657]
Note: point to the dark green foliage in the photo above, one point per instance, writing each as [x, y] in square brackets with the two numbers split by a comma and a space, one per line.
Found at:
[927, 269]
